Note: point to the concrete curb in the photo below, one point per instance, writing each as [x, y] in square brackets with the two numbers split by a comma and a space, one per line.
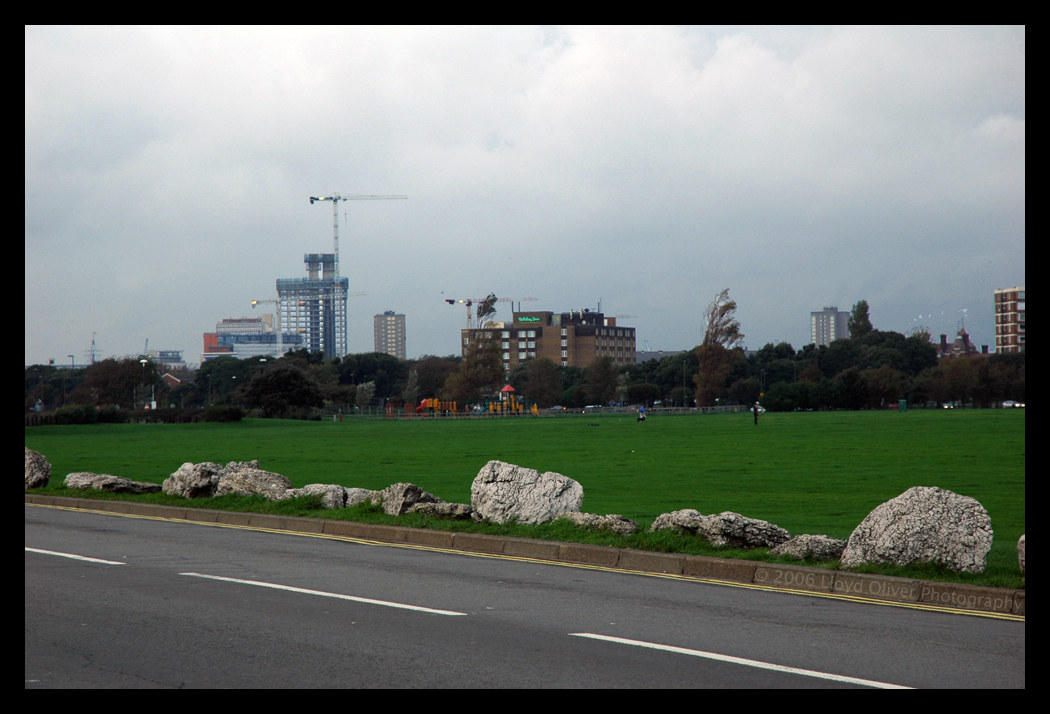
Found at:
[774, 576]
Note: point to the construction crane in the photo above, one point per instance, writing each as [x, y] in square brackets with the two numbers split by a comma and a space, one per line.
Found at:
[335, 198]
[470, 301]
[280, 332]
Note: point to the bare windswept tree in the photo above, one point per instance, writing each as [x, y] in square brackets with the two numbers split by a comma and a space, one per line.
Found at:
[720, 325]
[715, 353]
[486, 310]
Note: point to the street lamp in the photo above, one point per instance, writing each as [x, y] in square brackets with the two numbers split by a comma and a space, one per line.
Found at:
[143, 362]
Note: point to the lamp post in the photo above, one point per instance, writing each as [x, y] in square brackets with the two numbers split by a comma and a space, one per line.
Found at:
[143, 362]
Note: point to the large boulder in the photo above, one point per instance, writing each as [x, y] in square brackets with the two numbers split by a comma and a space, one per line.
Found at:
[613, 523]
[246, 478]
[723, 529]
[38, 470]
[399, 498]
[193, 480]
[504, 492]
[1020, 554]
[87, 481]
[923, 525]
[811, 547]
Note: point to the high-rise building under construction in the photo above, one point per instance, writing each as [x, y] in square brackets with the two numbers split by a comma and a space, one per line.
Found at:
[315, 307]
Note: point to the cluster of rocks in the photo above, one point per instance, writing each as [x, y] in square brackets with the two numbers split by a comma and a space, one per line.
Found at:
[922, 525]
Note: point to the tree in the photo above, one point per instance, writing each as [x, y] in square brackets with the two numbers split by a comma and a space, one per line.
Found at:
[715, 354]
[542, 382]
[481, 371]
[283, 389]
[602, 381]
[486, 310]
[859, 322]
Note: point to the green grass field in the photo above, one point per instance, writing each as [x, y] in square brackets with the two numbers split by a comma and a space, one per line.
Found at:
[819, 472]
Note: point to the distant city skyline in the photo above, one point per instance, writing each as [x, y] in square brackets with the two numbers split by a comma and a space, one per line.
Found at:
[168, 172]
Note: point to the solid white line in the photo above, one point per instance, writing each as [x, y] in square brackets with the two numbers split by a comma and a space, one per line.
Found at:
[322, 593]
[740, 660]
[74, 557]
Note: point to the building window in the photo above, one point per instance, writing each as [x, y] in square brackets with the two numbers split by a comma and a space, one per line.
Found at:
[506, 335]
[564, 354]
[521, 356]
[505, 345]
[532, 333]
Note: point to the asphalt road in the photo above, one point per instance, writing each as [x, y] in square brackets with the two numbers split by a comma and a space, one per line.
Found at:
[179, 604]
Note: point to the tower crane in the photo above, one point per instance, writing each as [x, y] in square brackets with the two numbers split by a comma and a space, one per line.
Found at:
[280, 332]
[470, 301]
[335, 198]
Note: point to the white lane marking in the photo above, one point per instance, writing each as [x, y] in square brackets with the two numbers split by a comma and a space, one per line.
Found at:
[322, 593]
[740, 660]
[74, 557]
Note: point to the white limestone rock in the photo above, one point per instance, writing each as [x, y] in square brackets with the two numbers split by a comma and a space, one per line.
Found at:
[87, 481]
[687, 521]
[355, 496]
[732, 529]
[38, 470]
[246, 478]
[397, 499]
[504, 492]
[811, 547]
[332, 496]
[923, 525]
[613, 522]
[1020, 554]
[193, 480]
[723, 529]
[444, 511]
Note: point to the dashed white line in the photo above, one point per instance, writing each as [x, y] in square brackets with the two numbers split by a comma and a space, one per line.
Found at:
[74, 557]
[741, 661]
[322, 593]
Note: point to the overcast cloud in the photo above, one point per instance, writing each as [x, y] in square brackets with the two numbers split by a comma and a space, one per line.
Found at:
[168, 171]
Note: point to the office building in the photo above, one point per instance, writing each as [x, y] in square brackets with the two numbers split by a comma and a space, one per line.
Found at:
[244, 337]
[389, 332]
[314, 307]
[827, 326]
[1009, 320]
[571, 339]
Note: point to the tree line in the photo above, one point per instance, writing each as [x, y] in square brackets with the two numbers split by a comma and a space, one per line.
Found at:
[870, 369]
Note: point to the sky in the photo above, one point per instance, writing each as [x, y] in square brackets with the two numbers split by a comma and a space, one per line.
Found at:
[168, 173]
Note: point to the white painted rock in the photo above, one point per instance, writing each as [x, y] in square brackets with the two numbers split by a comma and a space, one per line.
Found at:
[504, 492]
[923, 525]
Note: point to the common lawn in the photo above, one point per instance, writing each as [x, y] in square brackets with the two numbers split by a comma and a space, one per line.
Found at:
[818, 472]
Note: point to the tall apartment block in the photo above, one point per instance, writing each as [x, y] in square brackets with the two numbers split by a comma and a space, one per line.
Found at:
[827, 326]
[315, 306]
[389, 330]
[571, 339]
[1009, 320]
